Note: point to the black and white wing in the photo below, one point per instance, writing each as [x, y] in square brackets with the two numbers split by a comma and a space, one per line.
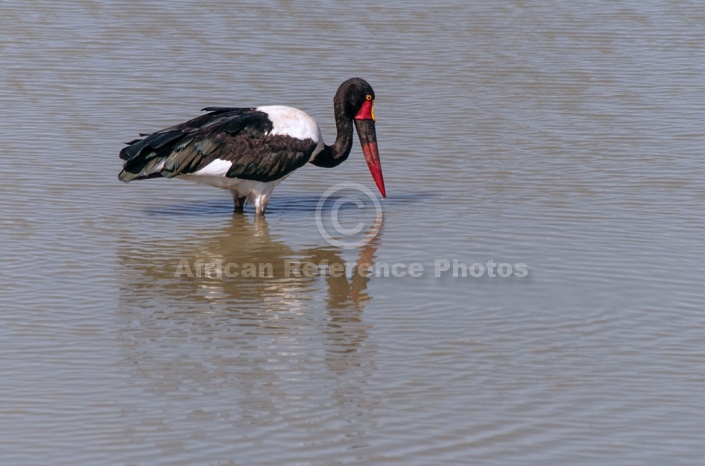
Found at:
[261, 144]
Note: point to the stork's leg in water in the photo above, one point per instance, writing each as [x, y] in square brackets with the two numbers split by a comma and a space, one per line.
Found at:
[239, 203]
[261, 202]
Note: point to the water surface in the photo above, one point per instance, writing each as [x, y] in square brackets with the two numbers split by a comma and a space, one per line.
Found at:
[564, 137]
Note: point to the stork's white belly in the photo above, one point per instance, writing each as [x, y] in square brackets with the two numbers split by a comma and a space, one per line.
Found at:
[256, 192]
[242, 187]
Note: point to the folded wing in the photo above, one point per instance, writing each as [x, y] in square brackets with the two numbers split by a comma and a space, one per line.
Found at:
[234, 142]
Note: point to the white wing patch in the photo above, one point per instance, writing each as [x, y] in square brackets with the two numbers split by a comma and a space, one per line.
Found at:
[218, 167]
[288, 121]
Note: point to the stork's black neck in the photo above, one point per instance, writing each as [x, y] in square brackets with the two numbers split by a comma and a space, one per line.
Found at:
[332, 156]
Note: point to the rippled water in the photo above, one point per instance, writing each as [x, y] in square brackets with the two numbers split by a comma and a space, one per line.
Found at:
[564, 136]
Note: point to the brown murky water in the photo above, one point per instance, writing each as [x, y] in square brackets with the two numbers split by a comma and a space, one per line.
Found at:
[567, 137]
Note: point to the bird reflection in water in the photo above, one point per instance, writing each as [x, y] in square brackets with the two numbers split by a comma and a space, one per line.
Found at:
[245, 268]
[253, 320]
[268, 351]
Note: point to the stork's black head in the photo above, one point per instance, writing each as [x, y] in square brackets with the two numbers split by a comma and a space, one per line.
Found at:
[355, 99]
[352, 94]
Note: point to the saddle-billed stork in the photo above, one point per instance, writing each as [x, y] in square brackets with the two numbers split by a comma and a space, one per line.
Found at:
[250, 150]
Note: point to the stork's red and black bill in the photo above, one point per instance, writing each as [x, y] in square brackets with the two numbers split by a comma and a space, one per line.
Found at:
[365, 126]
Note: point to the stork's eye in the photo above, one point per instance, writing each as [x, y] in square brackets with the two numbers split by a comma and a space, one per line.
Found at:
[368, 97]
